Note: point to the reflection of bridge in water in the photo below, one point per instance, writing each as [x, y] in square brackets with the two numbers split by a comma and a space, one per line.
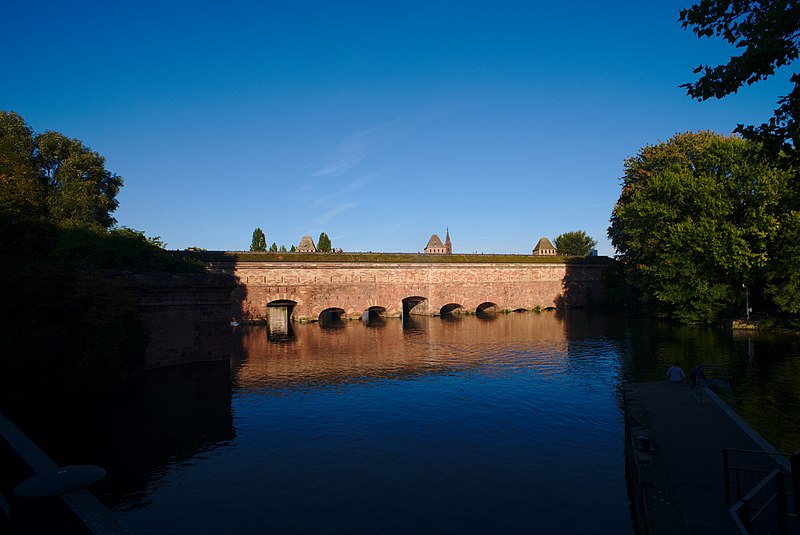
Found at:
[348, 351]
[280, 292]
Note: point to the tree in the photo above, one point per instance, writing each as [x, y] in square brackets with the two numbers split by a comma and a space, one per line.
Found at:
[273, 248]
[783, 273]
[283, 249]
[574, 243]
[80, 191]
[293, 249]
[53, 177]
[768, 32]
[21, 191]
[259, 242]
[324, 243]
[695, 220]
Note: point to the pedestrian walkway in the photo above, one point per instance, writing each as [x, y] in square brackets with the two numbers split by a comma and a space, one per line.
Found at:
[675, 443]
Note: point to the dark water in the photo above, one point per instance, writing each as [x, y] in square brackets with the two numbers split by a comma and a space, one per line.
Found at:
[467, 425]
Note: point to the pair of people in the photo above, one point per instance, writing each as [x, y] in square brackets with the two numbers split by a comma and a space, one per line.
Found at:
[676, 374]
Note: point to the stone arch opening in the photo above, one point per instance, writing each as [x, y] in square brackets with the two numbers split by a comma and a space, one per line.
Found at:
[486, 308]
[486, 311]
[415, 305]
[374, 316]
[451, 309]
[332, 317]
[374, 312]
[279, 316]
[519, 310]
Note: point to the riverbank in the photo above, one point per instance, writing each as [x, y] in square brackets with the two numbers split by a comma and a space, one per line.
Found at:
[765, 323]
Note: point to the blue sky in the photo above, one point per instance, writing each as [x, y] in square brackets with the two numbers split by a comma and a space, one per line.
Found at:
[377, 124]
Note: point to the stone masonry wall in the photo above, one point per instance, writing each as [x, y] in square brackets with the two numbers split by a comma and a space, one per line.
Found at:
[187, 317]
[355, 287]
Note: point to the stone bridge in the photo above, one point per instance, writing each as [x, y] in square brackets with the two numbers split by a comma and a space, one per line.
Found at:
[310, 291]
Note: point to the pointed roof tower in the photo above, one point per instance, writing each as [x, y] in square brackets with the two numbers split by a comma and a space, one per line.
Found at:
[544, 247]
[435, 245]
[434, 242]
[307, 245]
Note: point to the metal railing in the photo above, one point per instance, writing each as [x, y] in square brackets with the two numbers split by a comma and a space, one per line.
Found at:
[759, 492]
[712, 377]
[50, 509]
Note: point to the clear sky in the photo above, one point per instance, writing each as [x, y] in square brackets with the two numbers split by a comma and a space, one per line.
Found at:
[376, 123]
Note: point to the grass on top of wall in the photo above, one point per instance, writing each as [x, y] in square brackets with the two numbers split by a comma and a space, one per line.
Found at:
[392, 258]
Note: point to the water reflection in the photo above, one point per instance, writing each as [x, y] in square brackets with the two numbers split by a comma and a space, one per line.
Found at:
[467, 424]
[373, 316]
[484, 315]
[429, 424]
[344, 350]
[765, 369]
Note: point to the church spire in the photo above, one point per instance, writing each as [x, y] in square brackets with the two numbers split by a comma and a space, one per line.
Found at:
[447, 245]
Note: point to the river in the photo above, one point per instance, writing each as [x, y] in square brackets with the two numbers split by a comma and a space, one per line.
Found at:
[506, 423]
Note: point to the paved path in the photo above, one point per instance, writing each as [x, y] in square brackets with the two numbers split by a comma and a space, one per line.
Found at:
[687, 493]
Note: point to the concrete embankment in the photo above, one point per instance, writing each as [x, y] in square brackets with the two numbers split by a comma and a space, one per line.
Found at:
[674, 458]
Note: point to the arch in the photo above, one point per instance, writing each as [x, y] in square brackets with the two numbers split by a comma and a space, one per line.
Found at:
[331, 317]
[374, 312]
[486, 308]
[282, 303]
[486, 311]
[374, 316]
[279, 315]
[451, 309]
[415, 305]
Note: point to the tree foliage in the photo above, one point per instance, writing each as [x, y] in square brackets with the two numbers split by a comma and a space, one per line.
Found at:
[61, 257]
[697, 217]
[116, 249]
[21, 189]
[324, 243]
[273, 248]
[259, 242]
[768, 33]
[783, 273]
[53, 177]
[574, 243]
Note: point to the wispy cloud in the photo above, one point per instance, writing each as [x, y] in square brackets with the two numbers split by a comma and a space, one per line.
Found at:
[355, 148]
[352, 151]
[330, 214]
[345, 159]
[353, 186]
[381, 234]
